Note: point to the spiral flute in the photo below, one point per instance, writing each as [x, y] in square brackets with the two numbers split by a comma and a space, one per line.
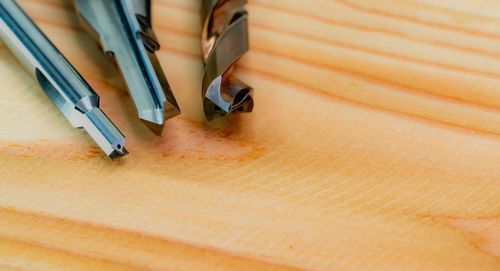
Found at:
[224, 41]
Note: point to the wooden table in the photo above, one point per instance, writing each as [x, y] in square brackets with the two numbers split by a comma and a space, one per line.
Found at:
[374, 145]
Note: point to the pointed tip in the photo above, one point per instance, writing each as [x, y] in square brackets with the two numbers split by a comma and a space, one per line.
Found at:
[154, 127]
[118, 153]
[155, 119]
[118, 149]
[170, 110]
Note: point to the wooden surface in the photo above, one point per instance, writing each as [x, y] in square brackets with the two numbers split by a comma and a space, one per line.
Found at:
[374, 145]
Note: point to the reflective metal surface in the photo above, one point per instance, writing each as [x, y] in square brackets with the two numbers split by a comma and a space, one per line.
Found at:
[60, 81]
[123, 29]
[224, 41]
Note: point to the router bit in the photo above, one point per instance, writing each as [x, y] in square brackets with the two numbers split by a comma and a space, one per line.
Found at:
[123, 29]
[224, 41]
[60, 81]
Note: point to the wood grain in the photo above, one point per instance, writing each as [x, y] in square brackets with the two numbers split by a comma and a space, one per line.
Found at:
[374, 145]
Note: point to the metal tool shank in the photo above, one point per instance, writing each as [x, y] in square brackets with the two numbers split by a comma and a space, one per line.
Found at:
[60, 81]
[123, 29]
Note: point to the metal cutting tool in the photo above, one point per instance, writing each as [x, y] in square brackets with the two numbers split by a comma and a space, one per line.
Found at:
[123, 29]
[60, 81]
[224, 41]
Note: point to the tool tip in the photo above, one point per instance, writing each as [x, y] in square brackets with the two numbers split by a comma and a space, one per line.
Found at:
[170, 110]
[118, 153]
[154, 127]
[104, 132]
[154, 119]
[118, 150]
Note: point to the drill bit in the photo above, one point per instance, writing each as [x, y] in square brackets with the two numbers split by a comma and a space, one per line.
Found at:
[224, 41]
[123, 29]
[60, 81]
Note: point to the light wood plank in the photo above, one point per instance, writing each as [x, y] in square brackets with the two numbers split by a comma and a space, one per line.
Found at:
[374, 145]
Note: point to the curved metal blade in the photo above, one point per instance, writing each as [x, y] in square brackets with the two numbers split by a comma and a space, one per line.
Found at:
[224, 41]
